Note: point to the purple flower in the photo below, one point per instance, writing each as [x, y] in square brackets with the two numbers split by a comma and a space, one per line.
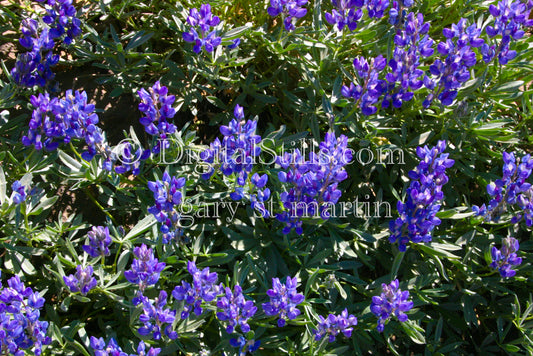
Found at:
[235, 310]
[46, 130]
[376, 8]
[244, 345]
[417, 215]
[283, 300]
[235, 43]
[155, 316]
[80, 121]
[506, 258]
[156, 105]
[141, 350]
[200, 32]
[511, 191]
[333, 325]
[289, 9]
[100, 349]
[312, 186]
[82, 281]
[405, 77]
[450, 74]
[398, 11]
[369, 89]
[19, 193]
[509, 18]
[235, 156]
[61, 17]
[20, 326]
[202, 289]
[59, 120]
[38, 37]
[346, 13]
[129, 160]
[145, 270]
[33, 67]
[167, 195]
[99, 241]
[112, 349]
[392, 301]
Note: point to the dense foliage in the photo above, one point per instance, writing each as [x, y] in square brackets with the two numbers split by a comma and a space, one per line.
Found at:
[278, 177]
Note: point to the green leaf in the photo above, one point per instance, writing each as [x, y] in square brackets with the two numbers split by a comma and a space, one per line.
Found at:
[341, 290]
[81, 298]
[440, 250]
[65, 304]
[312, 279]
[509, 86]
[236, 32]
[44, 205]
[454, 213]
[420, 139]
[511, 348]
[396, 265]
[2, 186]
[141, 227]
[70, 162]
[468, 310]
[414, 332]
[139, 38]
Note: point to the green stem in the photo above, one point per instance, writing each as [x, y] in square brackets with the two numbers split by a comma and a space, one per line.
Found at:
[74, 150]
[116, 257]
[93, 199]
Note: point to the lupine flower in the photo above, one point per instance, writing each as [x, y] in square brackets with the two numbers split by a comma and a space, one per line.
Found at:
[312, 186]
[417, 215]
[145, 270]
[33, 67]
[235, 156]
[376, 8]
[405, 77]
[155, 316]
[333, 325]
[19, 193]
[244, 345]
[82, 281]
[512, 190]
[45, 129]
[397, 11]
[453, 72]
[203, 288]
[367, 93]
[20, 327]
[129, 161]
[141, 350]
[156, 104]
[200, 32]
[235, 310]
[509, 18]
[99, 241]
[238, 148]
[283, 300]
[289, 9]
[345, 13]
[112, 349]
[392, 301]
[80, 121]
[167, 195]
[59, 120]
[506, 258]
[100, 349]
[61, 17]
